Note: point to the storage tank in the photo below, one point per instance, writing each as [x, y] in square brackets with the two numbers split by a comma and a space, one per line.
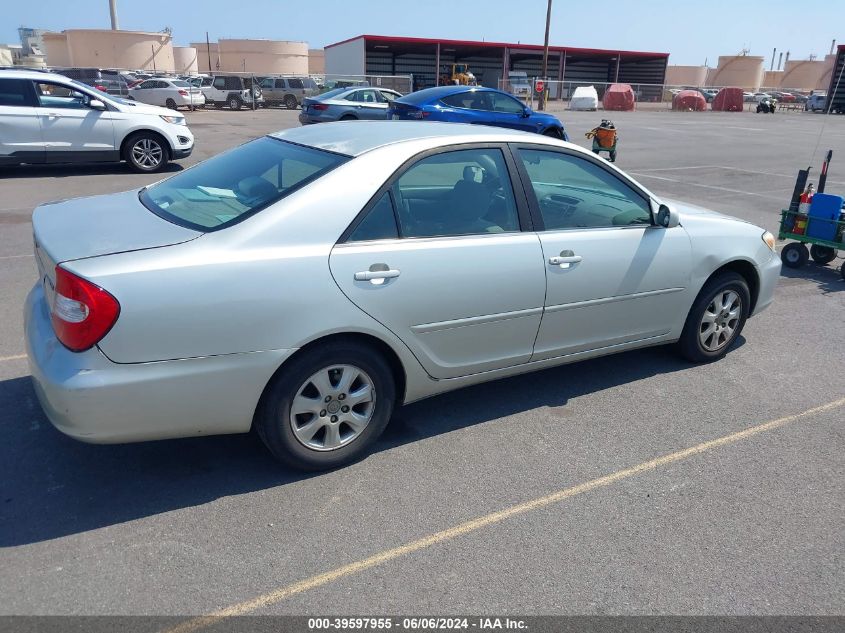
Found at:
[263, 56]
[743, 71]
[104, 48]
[827, 72]
[55, 49]
[185, 58]
[686, 75]
[203, 54]
[772, 79]
[802, 74]
[316, 61]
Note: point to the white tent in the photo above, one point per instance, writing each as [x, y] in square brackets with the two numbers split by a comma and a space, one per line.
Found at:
[584, 98]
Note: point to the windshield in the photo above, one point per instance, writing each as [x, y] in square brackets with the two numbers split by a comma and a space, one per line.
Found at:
[236, 184]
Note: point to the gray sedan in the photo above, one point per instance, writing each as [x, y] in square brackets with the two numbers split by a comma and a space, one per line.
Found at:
[348, 104]
[308, 282]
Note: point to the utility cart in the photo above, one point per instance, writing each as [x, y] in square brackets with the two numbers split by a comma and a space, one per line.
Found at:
[825, 237]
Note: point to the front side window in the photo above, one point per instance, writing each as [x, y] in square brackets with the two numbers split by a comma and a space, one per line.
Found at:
[573, 192]
[52, 95]
[236, 184]
[471, 100]
[219, 82]
[14, 92]
[463, 192]
[504, 103]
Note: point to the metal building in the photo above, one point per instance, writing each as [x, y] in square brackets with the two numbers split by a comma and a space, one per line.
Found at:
[427, 59]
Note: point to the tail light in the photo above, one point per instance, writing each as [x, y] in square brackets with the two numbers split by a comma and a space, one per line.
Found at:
[83, 313]
[183, 93]
[101, 88]
[319, 106]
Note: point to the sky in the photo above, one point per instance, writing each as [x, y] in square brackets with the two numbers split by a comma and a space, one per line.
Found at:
[691, 31]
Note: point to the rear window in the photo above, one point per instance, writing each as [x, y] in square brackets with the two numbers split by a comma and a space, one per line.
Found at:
[236, 184]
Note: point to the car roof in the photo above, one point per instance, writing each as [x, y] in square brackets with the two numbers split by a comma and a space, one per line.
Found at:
[31, 74]
[433, 94]
[354, 138]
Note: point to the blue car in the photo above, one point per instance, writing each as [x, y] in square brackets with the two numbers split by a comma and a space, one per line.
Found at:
[474, 104]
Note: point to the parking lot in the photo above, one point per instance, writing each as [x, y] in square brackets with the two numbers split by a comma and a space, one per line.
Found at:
[532, 495]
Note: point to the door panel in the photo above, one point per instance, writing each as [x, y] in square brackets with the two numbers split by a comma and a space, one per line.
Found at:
[612, 276]
[628, 285]
[20, 134]
[463, 305]
[68, 125]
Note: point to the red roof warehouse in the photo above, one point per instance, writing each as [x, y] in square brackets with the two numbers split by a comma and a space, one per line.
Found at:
[490, 61]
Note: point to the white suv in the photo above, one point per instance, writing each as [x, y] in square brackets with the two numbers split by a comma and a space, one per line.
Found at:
[48, 118]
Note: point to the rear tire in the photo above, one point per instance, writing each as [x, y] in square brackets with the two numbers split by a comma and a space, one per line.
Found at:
[348, 117]
[716, 318]
[170, 103]
[235, 103]
[822, 255]
[316, 383]
[290, 102]
[794, 255]
[146, 152]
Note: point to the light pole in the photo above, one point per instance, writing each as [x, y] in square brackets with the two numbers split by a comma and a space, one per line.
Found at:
[541, 103]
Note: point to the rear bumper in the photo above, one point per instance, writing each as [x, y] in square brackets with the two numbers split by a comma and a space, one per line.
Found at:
[90, 398]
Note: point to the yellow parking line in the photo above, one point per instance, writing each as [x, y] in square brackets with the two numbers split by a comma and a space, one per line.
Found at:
[277, 595]
[3, 359]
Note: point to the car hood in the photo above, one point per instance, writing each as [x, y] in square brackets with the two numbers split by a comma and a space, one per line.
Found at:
[102, 225]
[686, 210]
[136, 107]
[545, 118]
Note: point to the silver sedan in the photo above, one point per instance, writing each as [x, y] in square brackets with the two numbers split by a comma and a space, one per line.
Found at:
[348, 104]
[308, 282]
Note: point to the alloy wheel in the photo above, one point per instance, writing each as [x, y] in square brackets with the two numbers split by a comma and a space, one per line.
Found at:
[147, 153]
[332, 407]
[720, 320]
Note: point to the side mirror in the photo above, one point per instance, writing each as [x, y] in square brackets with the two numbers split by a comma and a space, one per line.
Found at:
[96, 104]
[526, 112]
[667, 218]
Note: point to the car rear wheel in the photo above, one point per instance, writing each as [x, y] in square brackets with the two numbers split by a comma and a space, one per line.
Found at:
[290, 102]
[170, 103]
[794, 255]
[348, 117]
[235, 103]
[327, 406]
[716, 318]
[822, 255]
[146, 152]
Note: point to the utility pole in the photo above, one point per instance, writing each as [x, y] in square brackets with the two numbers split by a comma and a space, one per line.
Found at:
[208, 50]
[541, 103]
[113, 10]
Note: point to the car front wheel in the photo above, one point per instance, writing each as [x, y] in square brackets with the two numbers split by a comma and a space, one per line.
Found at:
[327, 406]
[716, 318]
[146, 152]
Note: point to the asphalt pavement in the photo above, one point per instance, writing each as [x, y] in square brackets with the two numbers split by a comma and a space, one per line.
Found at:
[532, 495]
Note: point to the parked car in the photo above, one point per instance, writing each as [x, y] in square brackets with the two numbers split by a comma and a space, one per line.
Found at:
[519, 84]
[171, 93]
[233, 91]
[347, 104]
[114, 82]
[445, 255]
[759, 96]
[709, 93]
[815, 103]
[49, 118]
[748, 97]
[475, 104]
[289, 92]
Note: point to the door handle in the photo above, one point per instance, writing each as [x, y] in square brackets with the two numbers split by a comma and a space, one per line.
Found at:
[376, 275]
[565, 259]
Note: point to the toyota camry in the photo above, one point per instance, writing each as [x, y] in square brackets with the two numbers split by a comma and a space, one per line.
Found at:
[308, 282]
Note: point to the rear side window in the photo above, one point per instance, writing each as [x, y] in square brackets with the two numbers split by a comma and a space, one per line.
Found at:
[296, 84]
[15, 92]
[379, 224]
[236, 184]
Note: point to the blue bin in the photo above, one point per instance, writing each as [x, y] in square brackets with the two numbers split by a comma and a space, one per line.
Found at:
[824, 207]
